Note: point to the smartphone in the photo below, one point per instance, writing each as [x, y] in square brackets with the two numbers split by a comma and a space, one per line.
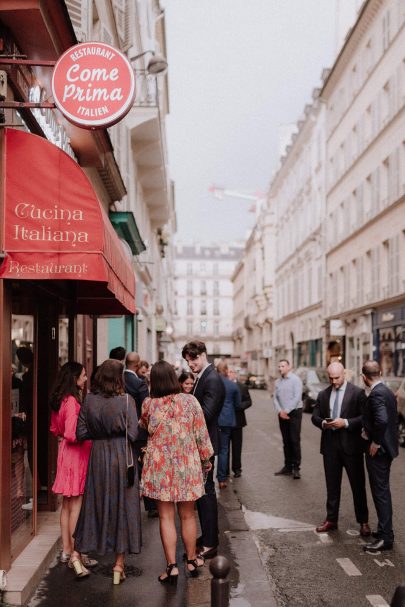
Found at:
[329, 419]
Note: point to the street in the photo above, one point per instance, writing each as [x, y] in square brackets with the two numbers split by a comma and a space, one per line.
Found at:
[267, 532]
[309, 568]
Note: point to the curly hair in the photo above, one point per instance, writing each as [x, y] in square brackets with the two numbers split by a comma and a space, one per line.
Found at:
[66, 384]
[109, 379]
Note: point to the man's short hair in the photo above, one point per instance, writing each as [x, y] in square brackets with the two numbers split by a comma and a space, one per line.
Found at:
[117, 353]
[194, 349]
[284, 360]
[371, 369]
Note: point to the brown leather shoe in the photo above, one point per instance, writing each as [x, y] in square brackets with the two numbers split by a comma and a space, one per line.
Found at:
[222, 484]
[326, 526]
[365, 530]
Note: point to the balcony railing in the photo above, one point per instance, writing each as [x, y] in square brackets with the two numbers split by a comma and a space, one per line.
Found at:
[146, 91]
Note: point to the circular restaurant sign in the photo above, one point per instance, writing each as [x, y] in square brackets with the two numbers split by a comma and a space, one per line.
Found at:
[93, 85]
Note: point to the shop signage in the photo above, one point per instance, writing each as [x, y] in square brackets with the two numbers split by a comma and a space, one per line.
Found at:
[93, 85]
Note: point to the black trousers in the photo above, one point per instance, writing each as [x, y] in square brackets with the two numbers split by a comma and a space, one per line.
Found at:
[236, 449]
[207, 508]
[379, 468]
[291, 433]
[334, 460]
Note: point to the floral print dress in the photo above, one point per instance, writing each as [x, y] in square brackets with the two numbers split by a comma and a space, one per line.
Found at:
[178, 443]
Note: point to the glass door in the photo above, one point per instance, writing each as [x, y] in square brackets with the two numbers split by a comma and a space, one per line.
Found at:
[23, 414]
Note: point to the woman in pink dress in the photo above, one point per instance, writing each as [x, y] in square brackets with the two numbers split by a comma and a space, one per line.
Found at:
[176, 457]
[73, 457]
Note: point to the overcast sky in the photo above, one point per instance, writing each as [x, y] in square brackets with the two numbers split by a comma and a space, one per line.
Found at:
[238, 71]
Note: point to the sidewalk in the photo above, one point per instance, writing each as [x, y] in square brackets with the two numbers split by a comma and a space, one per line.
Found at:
[248, 582]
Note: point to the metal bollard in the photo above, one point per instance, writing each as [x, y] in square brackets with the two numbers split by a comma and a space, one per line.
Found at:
[398, 600]
[220, 568]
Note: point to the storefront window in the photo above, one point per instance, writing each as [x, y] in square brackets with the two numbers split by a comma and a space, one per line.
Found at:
[387, 351]
[22, 423]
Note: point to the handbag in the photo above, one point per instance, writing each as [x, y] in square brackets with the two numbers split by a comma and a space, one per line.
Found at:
[130, 461]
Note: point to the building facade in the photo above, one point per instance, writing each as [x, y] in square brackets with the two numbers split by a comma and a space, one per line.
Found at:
[105, 194]
[365, 204]
[203, 304]
[297, 197]
[338, 200]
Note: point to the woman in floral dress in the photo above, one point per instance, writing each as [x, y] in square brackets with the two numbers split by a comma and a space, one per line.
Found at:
[176, 457]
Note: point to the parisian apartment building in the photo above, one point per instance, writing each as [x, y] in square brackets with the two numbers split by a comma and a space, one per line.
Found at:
[336, 216]
[203, 302]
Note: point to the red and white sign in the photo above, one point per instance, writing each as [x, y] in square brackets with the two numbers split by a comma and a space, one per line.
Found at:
[93, 85]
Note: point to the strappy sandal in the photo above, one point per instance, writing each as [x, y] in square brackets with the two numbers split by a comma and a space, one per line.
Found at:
[170, 578]
[78, 567]
[193, 572]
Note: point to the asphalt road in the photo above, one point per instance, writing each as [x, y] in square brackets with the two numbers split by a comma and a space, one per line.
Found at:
[306, 568]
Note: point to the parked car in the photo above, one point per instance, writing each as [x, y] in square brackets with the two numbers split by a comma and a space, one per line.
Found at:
[400, 394]
[314, 379]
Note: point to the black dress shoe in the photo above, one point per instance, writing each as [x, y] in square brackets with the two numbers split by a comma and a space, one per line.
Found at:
[296, 473]
[208, 553]
[237, 474]
[283, 470]
[378, 546]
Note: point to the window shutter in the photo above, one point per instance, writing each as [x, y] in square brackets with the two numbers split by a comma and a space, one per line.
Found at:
[77, 16]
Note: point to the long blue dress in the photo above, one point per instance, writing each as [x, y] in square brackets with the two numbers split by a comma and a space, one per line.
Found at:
[110, 519]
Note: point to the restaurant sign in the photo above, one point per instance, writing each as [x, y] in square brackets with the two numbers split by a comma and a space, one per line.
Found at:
[93, 85]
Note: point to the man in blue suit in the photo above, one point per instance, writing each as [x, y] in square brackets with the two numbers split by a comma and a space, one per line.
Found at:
[380, 421]
[226, 421]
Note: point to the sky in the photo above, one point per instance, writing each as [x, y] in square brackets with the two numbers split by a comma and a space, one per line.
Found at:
[240, 71]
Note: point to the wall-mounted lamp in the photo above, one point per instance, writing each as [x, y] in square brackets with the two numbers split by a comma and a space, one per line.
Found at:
[157, 65]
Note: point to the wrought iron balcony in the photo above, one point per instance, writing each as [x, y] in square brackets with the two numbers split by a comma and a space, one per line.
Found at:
[146, 90]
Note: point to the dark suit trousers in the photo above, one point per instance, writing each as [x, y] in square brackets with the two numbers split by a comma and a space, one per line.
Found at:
[378, 468]
[207, 508]
[291, 433]
[334, 460]
[236, 447]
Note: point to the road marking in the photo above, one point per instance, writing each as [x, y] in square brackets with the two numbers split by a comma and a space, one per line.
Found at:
[349, 567]
[324, 538]
[376, 600]
[261, 520]
[384, 563]
[352, 532]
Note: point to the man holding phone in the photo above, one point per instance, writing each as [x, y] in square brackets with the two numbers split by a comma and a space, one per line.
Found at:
[338, 413]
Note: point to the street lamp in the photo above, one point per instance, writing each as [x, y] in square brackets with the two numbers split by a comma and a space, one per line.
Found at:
[157, 65]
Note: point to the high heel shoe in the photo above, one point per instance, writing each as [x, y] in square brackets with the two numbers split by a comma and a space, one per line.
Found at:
[193, 572]
[118, 575]
[78, 567]
[65, 557]
[171, 578]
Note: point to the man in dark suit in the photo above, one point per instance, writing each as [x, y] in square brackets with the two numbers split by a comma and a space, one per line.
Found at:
[138, 389]
[380, 429]
[237, 432]
[209, 390]
[338, 413]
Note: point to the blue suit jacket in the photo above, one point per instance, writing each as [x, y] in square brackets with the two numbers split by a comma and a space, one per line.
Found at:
[227, 417]
[380, 419]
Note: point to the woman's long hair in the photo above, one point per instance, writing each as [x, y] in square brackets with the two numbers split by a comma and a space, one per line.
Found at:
[109, 379]
[66, 384]
[163, 380]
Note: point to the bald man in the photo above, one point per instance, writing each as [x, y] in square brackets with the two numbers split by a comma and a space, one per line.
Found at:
[338, 413]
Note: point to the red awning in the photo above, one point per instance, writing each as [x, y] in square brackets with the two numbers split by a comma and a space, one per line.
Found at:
[55, 227]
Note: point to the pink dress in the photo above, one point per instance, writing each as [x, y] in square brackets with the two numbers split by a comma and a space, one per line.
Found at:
[73, 457]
